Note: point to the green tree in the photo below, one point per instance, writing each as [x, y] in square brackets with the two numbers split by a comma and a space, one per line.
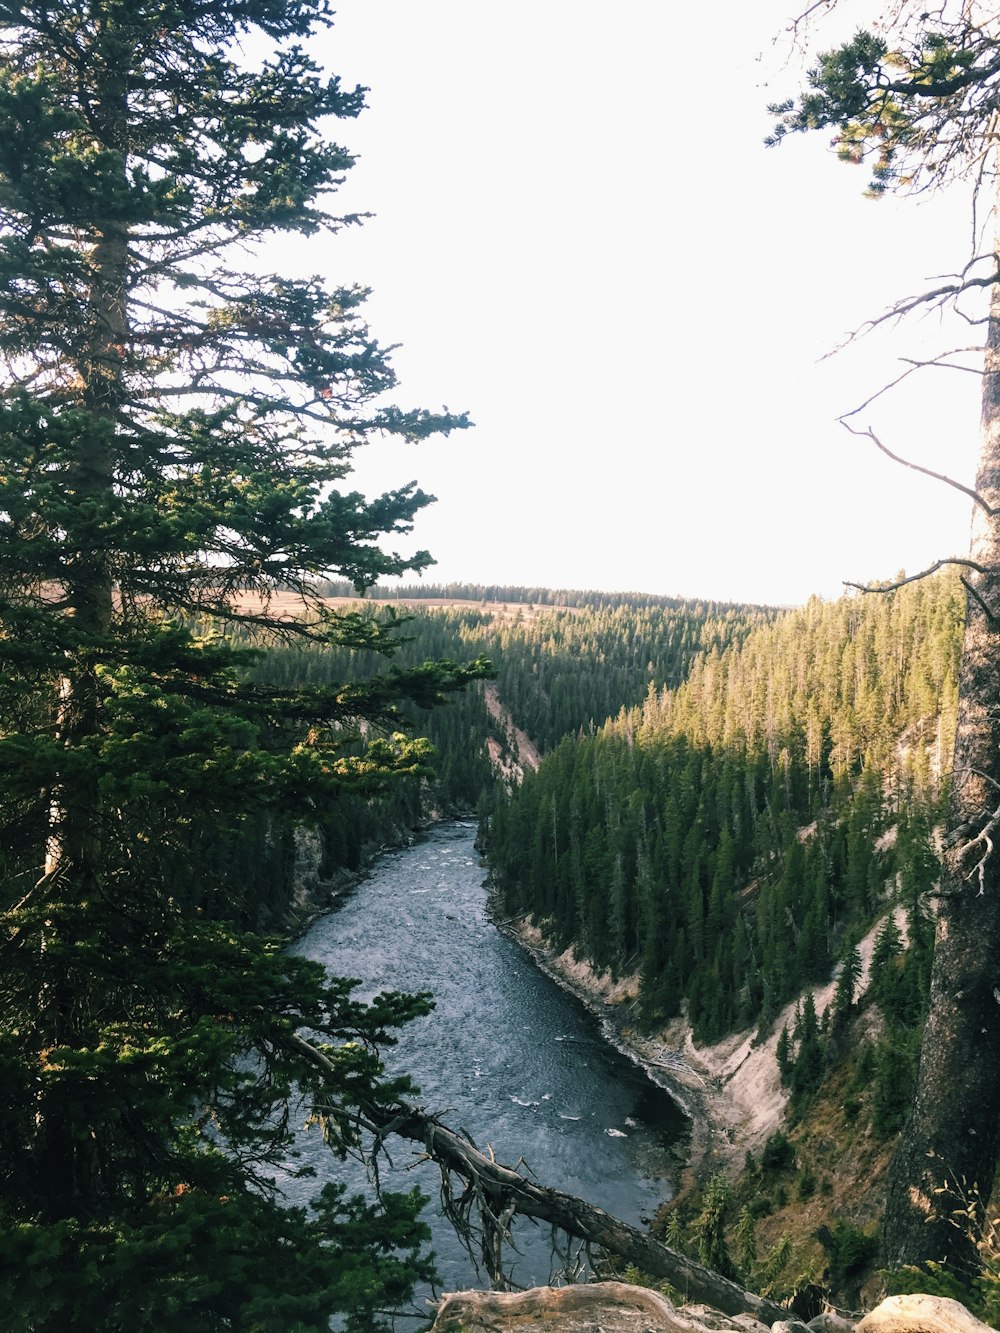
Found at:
[847, 984]
[746, 1241]
[710, 1227]
[810, 1058]
[783, 1054]
[174, 437]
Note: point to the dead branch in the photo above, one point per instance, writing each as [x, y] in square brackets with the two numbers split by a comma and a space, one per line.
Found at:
[935, 297]
[926, 471]
[938, 361]
[924, 573]
[802, 18]
[913, 366]
[979, 599]
[509, 1192]
[984, 840]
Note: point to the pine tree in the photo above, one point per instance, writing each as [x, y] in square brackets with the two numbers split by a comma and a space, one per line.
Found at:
[810, 1057]
[886, 972]
[746, 1242]
[174, 437]
[783, 1054]
[710, 1227]
[847, 983]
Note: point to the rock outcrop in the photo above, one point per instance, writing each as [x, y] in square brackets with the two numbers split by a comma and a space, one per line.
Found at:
[617, 1307]
[612, 1307]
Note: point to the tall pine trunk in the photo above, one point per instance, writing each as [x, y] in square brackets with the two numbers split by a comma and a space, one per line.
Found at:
[947, 1153]
[66, 1148]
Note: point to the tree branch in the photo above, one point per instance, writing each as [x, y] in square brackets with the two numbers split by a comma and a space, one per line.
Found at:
[983, 839]
[975, 595]
[913, 366]
[924, 573]
[935, 296]
[926, 471]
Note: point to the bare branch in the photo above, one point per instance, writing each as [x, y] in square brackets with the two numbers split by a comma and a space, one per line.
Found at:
[924, 573]
[983, 839]
[927, 472]
[941, 364]
[915, 365]
[936, 296]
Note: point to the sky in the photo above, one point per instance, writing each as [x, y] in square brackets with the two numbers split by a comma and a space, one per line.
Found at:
[579, 238]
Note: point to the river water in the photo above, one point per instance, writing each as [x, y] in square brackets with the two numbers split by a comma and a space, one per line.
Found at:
[506, 1055]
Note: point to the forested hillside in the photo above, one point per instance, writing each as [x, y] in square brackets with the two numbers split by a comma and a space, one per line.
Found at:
[763, 788]
[560, 670]
[729, 839]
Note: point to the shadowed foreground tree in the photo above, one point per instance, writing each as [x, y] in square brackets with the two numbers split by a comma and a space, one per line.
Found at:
[174, 437]
[918, 101]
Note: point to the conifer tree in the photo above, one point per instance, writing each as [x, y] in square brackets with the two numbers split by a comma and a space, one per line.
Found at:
[847, 983]
[783, 1053]
[710, 1227]
[174, 438]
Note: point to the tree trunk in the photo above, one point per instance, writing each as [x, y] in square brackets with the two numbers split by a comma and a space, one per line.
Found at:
[947, 1153]
[65, 1147]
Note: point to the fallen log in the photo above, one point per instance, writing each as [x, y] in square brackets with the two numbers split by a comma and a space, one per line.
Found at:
[506, 1191]
[496, 1192]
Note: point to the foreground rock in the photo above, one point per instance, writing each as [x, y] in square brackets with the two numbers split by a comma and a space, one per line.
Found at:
[612, 1307]
[617, 1307]
[920, 1314]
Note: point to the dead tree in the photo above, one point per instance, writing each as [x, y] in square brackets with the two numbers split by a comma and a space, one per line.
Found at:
[917, 99]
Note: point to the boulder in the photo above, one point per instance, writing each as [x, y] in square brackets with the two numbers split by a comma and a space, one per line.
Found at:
[828, 1322]
[618, 1307]
[920, 1314]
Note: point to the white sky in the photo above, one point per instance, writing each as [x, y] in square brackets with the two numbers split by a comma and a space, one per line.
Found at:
[580, 239]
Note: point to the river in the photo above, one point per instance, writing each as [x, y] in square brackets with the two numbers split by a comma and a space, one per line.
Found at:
[507, 1054]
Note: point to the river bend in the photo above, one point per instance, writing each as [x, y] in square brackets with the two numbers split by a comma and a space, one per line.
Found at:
[506, 1055]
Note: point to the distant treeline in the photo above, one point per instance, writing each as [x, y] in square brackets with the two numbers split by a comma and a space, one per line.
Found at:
[516, 594]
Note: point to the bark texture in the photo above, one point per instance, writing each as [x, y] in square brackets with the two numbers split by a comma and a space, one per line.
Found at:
[948, 1149]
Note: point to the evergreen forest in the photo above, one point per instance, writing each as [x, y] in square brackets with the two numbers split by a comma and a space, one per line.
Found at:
[729, 839]
[561, 667]
[764, 788]
[720, 801]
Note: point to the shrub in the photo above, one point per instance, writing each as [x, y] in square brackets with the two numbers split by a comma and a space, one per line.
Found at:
[778, 1153]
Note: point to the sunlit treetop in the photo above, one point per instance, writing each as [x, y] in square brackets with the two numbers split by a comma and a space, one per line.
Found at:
[916, 100]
